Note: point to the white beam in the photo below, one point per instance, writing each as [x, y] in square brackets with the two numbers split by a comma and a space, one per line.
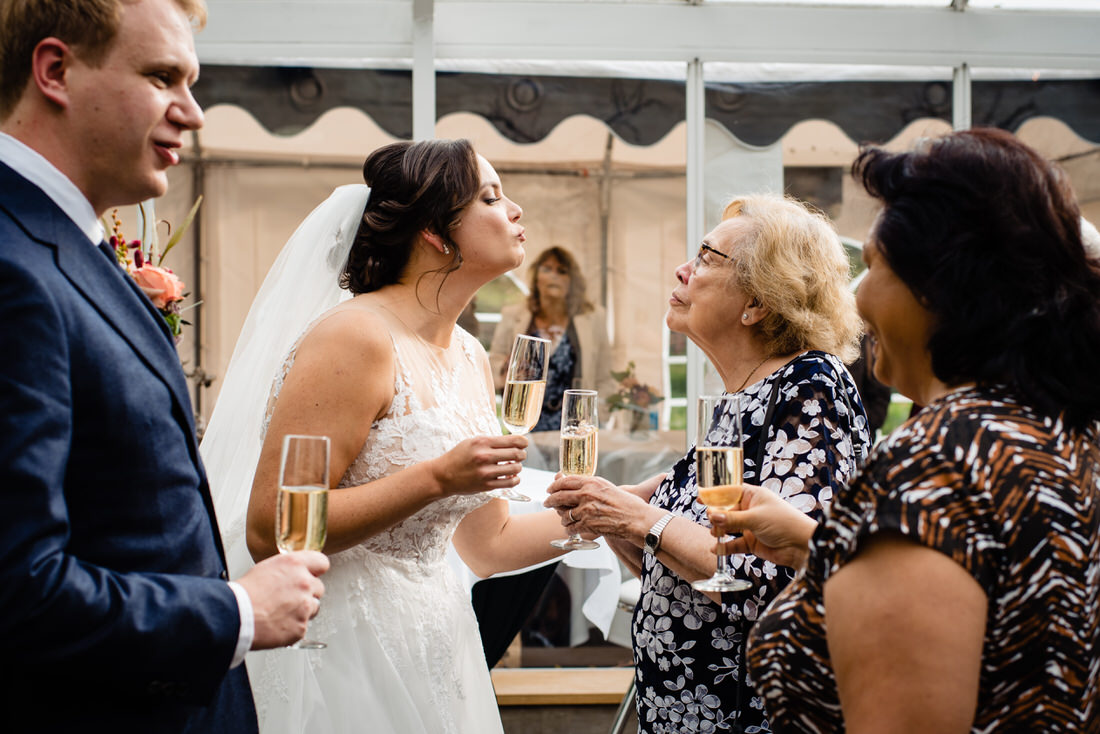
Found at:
[961, 105]
[695, 118]
[423, 74]
[345, 33]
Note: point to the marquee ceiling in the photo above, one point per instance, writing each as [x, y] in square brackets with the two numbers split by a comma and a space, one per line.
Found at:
[525, 108]
[525, 65]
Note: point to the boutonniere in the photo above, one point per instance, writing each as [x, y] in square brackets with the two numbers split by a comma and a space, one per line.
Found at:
[144, 262]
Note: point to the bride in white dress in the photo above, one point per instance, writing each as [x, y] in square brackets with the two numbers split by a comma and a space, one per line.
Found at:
[406, 397]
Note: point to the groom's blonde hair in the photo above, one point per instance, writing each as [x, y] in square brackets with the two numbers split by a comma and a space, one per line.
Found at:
[89, 27]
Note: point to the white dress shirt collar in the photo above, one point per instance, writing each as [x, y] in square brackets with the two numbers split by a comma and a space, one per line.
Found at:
[29, 164]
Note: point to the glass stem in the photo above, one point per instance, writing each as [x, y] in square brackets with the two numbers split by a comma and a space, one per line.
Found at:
[724, 560]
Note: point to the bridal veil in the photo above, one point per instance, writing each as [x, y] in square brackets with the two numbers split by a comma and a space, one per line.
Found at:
[302, 284]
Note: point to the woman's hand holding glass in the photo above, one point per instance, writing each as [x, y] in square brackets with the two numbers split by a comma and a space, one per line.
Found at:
[595, 506]
[524, 387]
[771, 528]
[719, 461]
[579, 449]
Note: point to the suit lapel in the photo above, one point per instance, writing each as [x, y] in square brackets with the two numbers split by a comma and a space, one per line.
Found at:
[113, 293]
[106, 287]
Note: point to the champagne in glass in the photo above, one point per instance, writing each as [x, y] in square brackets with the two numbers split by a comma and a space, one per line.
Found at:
[301, 514]
[524, 386]
[301, 508]
[718, 472]
[579, 438]
[719, 463]
[578, 451]
[522, 404]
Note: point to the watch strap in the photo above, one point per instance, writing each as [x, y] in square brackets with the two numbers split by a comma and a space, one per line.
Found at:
[653, 537]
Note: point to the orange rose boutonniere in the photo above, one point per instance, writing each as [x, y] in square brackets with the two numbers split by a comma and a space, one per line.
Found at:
[160, 284]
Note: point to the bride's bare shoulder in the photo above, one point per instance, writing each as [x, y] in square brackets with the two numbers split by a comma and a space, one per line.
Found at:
[350, 331]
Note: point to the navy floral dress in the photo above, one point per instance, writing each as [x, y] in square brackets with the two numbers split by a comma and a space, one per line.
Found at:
[688, 650]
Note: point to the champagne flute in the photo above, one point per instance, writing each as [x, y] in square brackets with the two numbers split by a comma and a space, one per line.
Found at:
[579, 433]
[301, 509]
[524, 386]
[719, 462]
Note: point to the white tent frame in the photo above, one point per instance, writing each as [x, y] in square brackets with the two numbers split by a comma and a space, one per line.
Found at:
[387, 33]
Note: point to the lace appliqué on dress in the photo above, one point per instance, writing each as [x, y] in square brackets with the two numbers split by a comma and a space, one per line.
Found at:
[395, 588]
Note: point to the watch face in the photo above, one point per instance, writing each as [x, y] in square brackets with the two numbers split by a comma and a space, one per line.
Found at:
[651, 542]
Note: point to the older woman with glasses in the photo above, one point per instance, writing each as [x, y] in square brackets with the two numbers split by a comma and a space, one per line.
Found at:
[767, 301]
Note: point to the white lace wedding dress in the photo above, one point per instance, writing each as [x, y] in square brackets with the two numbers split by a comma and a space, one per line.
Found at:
[404, 655]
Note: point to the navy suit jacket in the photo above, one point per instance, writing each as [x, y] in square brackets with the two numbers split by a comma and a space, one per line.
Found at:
[114, 610]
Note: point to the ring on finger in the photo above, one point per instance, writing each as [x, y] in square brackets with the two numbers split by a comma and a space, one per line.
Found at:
[571, 518]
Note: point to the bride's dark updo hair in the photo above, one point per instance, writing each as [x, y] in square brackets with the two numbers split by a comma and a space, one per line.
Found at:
[414, 186]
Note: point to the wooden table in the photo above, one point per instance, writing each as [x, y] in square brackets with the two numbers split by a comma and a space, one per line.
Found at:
[560, 686]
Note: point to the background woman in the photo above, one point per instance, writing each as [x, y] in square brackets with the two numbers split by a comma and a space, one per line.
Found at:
[959, 572]
[406, 397]
[767, 301]
[557, 309]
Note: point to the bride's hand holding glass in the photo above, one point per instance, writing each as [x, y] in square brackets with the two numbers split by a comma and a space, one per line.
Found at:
[480, 464]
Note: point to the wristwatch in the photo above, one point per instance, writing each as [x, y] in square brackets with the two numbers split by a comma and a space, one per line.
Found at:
[653, 537]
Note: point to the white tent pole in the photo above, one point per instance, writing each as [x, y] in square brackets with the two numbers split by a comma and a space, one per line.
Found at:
[695, 116]
[960, 97]
[423, 71]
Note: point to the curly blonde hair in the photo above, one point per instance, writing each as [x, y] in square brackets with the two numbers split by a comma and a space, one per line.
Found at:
[792, 262]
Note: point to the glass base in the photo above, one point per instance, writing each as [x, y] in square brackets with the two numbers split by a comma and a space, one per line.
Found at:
[721, 583]
[309, 645]
[509, 494]
[577, 543]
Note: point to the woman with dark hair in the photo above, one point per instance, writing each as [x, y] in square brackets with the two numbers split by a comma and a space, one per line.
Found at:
[406, 398]
[557, 308]
[959, 573]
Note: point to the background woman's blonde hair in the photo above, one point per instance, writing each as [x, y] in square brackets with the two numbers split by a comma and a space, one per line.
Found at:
[792, 262]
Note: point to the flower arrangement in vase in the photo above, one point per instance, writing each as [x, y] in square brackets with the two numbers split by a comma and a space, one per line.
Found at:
[633, 398]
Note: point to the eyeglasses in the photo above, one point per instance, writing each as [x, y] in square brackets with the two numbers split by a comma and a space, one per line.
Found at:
[704, 247]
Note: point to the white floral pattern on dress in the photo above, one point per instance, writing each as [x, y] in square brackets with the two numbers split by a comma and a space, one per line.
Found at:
[687, 649]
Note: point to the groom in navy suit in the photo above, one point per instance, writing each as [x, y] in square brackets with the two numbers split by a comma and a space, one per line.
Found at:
[115, 610]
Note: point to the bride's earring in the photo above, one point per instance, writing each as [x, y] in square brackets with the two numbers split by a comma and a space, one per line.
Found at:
[446, 250]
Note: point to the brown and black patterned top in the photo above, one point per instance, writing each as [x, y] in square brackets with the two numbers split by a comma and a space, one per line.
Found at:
[1014, 498]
